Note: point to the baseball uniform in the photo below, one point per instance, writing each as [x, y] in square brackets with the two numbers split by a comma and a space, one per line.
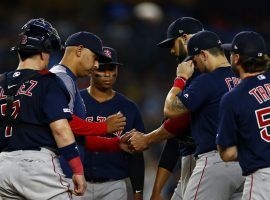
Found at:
[244, 117]
[105, 172]
[202, 98]
[29, 163]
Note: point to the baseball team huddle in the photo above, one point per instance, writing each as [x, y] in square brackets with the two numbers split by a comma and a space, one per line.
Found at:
[59, 142]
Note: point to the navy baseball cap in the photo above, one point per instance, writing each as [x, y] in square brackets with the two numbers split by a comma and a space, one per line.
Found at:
[202, 40]
[89, 41]
[183, 25]
[247, 43]
[111, 53]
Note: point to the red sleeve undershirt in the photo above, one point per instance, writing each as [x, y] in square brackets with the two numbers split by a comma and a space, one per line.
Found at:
[92, 130]
[97, 143]
[82, 127]
[177, 125]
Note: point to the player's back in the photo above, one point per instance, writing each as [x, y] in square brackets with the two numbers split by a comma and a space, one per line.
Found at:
[251, 104]
[30, 108]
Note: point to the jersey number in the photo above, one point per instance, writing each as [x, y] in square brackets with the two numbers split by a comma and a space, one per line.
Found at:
[15, 108]
[263, 120]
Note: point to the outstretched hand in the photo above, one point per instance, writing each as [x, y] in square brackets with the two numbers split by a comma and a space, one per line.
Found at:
[124, 141]
[138, 142]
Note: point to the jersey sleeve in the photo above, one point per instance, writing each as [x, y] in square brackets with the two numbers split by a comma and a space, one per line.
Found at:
[102, 144]
[55, 102]
[198, 92]
[169, 155]
[82, 127]
[227, 128]
[70, 87]
[178, 125]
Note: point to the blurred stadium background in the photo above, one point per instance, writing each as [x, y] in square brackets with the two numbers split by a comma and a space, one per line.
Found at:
[134, 27]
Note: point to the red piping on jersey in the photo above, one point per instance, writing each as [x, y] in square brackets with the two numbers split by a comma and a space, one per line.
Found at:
[250, 192]
[82, 127]
[97, 143]
[61, 178]
[177, 125]
[200, 179]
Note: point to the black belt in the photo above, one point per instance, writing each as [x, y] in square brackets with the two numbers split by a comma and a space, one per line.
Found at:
[100, 180]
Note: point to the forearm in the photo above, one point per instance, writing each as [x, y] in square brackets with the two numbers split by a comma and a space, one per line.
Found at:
[66, 144]
[161, 178]
[62, 133]
[228, 154]
[82, 127]
[158, 135]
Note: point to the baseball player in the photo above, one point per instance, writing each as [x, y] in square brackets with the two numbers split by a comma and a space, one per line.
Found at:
[211, 178]
[34, 123]
[244, 112]
[106, 172]
[83, 50]
[178, 34]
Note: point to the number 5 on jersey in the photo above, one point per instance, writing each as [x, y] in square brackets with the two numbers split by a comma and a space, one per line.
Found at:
[263, 120]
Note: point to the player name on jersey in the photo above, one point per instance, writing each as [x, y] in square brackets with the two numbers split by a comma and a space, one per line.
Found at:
[25, 89]
[232, 82]
[261, 93]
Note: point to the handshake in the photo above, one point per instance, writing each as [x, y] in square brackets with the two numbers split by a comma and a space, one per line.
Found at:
[134, 142]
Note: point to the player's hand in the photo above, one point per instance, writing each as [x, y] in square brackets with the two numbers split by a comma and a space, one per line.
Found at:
[185, 69]
[124, 141]
[138, 196]
[138, 142]
[79, 184]
[116, 122]
[156, 196]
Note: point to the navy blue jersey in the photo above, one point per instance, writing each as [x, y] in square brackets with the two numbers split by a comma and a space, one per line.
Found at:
[110, 165]
[202, 98]
[38, 102]
[244, 122]
[76, 105]
[186, 150]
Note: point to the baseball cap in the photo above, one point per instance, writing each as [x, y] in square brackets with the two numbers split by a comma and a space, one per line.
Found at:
[89, 41]
[183, 25]
[202, 40]
[247, 43]
[111, 53]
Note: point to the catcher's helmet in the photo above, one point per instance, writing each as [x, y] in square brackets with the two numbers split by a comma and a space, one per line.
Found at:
[37, 36]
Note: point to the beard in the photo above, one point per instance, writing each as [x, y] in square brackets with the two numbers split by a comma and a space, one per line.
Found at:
[235, 70]
[182, 54]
